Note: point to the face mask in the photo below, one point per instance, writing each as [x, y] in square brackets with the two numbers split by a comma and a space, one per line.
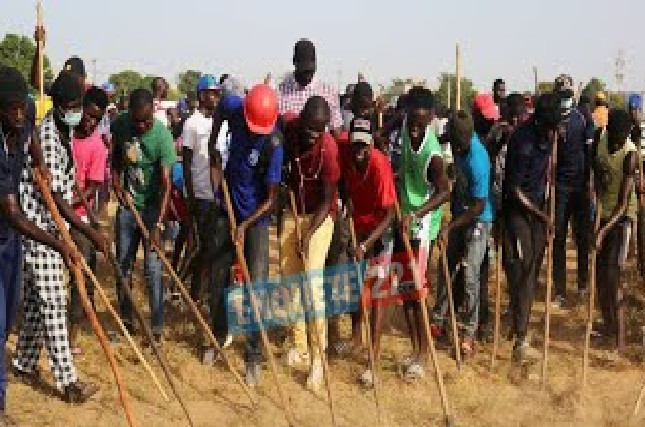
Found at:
[72, 118]
[566, 103]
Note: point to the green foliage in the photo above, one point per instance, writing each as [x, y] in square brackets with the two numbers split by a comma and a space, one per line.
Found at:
[188, 81]
[594, 86]
[546, 87]
[617, 100]
[18, 52]
[125, 81]
[397, 88]
[448, 87]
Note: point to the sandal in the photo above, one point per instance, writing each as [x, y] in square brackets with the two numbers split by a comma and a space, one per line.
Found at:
[468, 346]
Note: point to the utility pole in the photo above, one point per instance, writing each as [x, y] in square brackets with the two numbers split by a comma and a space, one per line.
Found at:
[94, 72]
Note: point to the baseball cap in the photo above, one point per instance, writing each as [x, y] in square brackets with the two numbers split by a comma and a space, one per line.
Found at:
[304, 55]
[360, 130]
[108, 87]
[635, 101]
[75, 65]
[207, 82]
[564, 83]
[485, 104]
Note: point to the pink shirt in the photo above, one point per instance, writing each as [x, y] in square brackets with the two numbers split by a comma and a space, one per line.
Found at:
[90, 157]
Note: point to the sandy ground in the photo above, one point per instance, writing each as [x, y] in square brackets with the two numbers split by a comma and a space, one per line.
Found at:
[506, 396]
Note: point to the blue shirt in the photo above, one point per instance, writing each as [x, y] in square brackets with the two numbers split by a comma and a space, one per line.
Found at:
[11, 165]
[473, 181]
[254, 162]
[527, 163]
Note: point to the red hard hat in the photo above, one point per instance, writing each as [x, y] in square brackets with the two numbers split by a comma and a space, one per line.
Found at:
[261, 109]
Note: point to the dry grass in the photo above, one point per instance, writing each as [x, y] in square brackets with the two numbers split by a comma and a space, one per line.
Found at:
[506, 397]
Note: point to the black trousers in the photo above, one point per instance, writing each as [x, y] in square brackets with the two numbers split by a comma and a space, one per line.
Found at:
[572, 205]
[256, 252]
[524, 252]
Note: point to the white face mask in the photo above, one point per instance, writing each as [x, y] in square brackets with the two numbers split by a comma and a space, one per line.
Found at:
[566, 103]
[72, 117]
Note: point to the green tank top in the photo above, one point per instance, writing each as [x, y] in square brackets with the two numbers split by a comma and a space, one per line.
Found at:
[413, 186]
[612, 168]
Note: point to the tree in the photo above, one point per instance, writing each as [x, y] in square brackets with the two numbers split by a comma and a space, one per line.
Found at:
[448, 85]
[18, 52]
[398, 87]
[546, 87]
[126, 81]
[594, 86]
[188, 81]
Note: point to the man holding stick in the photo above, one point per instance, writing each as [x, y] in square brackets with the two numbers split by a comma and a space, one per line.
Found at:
[466, 235]
[90, 156]
[206, 213]
[16, 137]
[253, 173]
[45, 297]
[369, 182]
[143, 154]
[615, 167]
[315, 173]
[422, 188]
[527, 222]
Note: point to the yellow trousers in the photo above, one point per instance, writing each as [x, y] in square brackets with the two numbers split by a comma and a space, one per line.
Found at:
[291, 263]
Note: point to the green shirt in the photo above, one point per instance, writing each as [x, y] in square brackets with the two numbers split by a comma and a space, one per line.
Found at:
[611, 168]
[141, 159]
[413, 186]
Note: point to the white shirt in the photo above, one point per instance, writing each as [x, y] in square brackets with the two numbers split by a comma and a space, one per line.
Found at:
[161, 110]
[196, 134]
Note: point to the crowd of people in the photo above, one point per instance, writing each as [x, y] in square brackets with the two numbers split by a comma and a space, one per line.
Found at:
[322, 168]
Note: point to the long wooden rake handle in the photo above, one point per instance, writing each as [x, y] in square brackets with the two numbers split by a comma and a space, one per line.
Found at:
[549, 264]
[451, 304]
[124, 330]
[366, 325]
[498, 299]
[239, 250]
[149, 335]
[592, 297]
[426, 323]
[79, 279]
[319, 344]
[186, 295]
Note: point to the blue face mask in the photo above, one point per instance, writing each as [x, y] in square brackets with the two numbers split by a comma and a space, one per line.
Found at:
[72, 118]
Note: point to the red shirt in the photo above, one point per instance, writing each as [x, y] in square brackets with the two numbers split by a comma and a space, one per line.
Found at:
[90, 157]
[312, 168]
[372, 192]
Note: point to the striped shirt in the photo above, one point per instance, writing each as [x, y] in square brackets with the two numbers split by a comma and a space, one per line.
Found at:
[292, 98]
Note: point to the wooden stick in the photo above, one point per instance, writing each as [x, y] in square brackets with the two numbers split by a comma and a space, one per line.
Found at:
[498, 300]
[458, 78]
[41, 53]
[451, 302]
[186, 295]
[549, 265]
[536, 87]
[239, 250]
[79, 281]
[149, 335]
[367, 326]
[426, 322]
[592, 293]
[124, 330]
[317, 338]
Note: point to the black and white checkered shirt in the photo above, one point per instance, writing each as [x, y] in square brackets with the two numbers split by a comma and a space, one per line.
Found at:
[60, 165]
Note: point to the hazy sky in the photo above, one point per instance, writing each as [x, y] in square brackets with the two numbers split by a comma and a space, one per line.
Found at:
[381, 38]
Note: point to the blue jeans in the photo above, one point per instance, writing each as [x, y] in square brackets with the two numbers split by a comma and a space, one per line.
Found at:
[468, 243]
[10, 267]
[128, 238]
